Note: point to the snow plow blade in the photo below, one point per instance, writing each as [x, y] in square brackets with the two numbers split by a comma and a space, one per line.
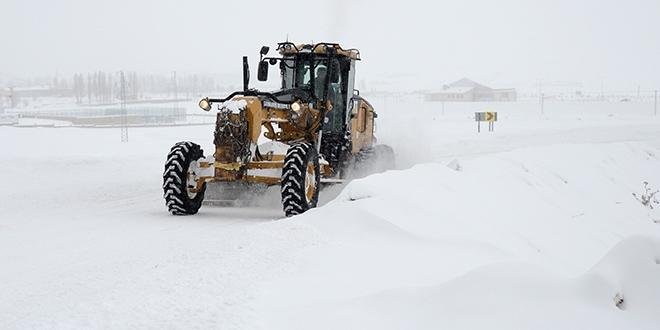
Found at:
[233, 193]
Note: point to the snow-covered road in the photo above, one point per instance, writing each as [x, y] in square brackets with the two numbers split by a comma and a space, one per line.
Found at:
[86, 242]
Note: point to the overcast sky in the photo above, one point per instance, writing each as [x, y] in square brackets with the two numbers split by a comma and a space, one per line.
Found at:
[502, 43]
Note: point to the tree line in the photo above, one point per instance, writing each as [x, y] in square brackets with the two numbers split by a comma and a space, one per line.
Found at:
[101, 87]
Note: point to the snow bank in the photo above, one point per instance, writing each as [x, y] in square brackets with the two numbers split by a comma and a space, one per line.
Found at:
[501, 241]
[514, 296]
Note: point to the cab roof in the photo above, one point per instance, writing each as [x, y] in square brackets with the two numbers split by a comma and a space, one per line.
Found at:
[289, 48]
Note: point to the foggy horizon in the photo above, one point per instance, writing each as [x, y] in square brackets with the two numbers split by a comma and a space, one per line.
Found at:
[606, 45]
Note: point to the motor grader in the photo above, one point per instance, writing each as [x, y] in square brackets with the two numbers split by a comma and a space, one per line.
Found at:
[315, 130]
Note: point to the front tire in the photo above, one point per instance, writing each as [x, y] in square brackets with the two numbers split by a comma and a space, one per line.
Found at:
[180, 179]
[301, 177]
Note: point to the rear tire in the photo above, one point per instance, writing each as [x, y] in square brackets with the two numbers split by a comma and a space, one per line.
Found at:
[301, 177]
[385, 158]
[179, 179]
[371, 160]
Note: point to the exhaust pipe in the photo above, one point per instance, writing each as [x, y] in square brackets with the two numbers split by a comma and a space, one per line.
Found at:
[246, 74]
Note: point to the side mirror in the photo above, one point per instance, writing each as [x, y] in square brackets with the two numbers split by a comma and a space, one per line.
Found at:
[264, 50]
[262, 71]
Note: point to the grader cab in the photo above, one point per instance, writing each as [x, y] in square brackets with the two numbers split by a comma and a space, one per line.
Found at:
[313, 131]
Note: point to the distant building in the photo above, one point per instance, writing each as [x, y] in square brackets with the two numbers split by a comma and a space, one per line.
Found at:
[36, 91]
[466, 90]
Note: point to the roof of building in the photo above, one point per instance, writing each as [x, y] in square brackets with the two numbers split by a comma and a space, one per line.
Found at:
[457, 90]
[469, 83]
[466, 85]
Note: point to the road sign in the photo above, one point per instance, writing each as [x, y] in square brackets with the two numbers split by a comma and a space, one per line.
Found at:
[488, 116]
[491, 116]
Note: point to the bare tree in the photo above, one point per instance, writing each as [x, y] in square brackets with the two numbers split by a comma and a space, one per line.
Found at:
[78, 87]
[89, 88]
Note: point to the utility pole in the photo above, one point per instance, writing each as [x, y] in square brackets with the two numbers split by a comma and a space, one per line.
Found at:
[444, 90]
[124, 118]
[655, 105]
[11, 96]
[176, 94]
[542, 99]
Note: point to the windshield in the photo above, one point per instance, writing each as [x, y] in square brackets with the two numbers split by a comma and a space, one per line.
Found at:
[299, 74]
[309, 72]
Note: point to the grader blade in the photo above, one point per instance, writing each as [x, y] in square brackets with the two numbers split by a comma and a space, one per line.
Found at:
[233, 193]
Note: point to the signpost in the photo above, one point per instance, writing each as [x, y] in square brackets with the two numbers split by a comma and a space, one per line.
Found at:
[489, 116]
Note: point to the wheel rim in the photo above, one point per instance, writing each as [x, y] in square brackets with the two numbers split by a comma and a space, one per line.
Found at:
[310, 182]
[191, 181]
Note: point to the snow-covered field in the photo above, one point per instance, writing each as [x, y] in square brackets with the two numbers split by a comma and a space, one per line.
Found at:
[531, 226]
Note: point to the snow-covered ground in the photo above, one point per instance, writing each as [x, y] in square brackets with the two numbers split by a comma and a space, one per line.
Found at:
[531, 226]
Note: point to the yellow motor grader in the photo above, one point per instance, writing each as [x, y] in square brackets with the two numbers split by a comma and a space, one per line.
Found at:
[315, 130]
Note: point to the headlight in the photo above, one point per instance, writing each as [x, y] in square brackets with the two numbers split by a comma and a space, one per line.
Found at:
[205, 104]
[295, 106]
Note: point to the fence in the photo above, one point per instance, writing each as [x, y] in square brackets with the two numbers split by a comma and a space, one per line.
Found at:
[112, 115]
